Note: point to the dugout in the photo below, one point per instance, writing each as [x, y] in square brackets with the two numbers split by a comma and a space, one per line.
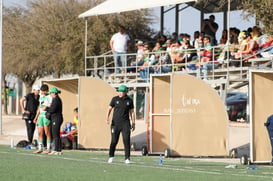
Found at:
[92, 96]
[187, 117]
[261, 107]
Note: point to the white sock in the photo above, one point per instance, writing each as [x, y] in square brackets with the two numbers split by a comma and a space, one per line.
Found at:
[48, 145]
[40, 146]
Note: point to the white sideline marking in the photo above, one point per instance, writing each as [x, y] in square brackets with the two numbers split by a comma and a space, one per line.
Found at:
[141, 164]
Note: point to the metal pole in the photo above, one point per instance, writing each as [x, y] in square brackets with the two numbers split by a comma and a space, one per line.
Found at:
[228, 32]
[1, 27]
[228, 20]
[176, 18]
[85, 50]
[162, 20]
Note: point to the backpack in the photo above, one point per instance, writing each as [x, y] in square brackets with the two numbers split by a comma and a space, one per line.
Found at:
[22, 144]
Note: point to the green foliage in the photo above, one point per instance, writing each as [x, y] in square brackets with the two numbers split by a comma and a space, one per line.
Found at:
[263, 10]
[48, 38]
[101, 29]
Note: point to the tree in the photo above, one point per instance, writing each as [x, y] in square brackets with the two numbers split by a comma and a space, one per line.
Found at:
[47, 37]
[17, 47]
[263, 10]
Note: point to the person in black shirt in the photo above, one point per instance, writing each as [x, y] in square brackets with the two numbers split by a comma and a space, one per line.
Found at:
[210, 27]
[56, 112]
[123, 111]
[30, 107]
[269, 127]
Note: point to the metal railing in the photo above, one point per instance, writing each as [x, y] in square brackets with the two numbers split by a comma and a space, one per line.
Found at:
[221, 66]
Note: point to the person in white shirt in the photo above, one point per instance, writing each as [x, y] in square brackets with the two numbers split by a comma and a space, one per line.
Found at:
[118, 44]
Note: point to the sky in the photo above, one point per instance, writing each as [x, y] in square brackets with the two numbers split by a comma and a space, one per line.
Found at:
[14, 2]
[189, 19]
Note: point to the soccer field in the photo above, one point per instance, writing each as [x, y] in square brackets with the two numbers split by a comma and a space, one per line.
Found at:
[20, 164]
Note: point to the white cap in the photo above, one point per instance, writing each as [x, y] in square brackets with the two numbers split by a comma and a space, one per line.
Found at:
[36, 87]
[140, 42]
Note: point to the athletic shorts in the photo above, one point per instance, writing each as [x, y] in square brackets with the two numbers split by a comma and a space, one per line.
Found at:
[42, 121]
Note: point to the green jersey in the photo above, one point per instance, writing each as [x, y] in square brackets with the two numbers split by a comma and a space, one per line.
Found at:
[45, 101]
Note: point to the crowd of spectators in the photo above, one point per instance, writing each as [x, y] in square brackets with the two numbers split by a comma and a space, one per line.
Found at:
[202, 53]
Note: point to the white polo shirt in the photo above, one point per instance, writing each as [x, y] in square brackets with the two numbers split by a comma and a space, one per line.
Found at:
[120, 42]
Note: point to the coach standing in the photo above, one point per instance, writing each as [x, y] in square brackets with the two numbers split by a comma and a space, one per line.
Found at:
[32, 103]
[123, 111]
[56, 112]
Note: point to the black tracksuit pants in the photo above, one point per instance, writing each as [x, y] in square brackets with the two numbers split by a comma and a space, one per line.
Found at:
[270, 132]
[30, 130]
[56, 123]
[126, 133]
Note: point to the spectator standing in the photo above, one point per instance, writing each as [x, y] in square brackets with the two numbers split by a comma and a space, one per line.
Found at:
[118, 44]
[56, 111]
[210, 27]
[31, 101]
[123, 110]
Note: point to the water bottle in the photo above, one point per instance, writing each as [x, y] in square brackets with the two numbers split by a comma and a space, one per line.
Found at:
[64, 128]
[252, 167]
[160, 161]
[69, 125]
[11, 144]
[74, 145]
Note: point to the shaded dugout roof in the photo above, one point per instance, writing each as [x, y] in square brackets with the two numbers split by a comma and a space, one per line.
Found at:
[118, 6]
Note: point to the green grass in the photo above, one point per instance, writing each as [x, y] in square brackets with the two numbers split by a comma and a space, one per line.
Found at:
[21, 164]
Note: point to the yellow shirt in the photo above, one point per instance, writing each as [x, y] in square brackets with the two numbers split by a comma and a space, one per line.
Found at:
[76, 121]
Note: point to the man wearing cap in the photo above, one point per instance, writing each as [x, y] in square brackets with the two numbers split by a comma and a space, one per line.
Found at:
[32, 103]
[139, 57]
[123, 111]
[56, 112]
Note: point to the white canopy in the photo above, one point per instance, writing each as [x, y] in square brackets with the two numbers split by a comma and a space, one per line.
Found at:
[117, 6]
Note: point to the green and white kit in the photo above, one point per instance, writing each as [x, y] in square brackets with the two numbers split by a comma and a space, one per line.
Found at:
[45, 101]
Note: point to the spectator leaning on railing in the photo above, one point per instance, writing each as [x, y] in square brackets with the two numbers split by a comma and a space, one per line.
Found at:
[250, 48]
[177, 54]
[139, 57]
[206, 62]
